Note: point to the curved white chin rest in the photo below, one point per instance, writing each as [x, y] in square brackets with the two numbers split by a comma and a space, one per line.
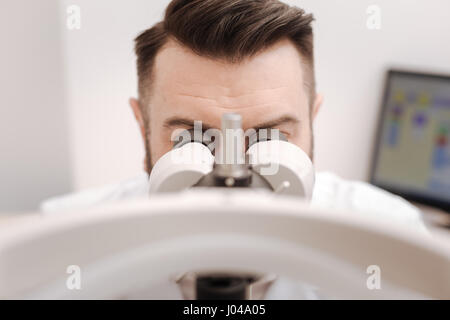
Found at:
[139, 246]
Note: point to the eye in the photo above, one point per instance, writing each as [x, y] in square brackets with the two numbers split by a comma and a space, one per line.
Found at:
[284, 132]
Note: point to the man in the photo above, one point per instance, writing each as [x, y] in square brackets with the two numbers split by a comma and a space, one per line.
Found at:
[255, 58]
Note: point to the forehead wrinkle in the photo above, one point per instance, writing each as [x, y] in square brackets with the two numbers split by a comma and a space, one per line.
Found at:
[259, 98]
[230, 105]
[238, 107]
[246, 107]
[200, 91]
[203, 86]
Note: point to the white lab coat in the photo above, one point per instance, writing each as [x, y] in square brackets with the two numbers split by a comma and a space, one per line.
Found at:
[330, 191]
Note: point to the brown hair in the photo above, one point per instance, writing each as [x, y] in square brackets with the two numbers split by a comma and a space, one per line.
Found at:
[230, 30]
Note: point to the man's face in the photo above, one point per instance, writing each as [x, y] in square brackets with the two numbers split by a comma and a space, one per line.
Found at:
[267, 90]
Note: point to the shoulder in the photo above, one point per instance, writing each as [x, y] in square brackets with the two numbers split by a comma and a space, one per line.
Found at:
[126, 189]
[331, 191]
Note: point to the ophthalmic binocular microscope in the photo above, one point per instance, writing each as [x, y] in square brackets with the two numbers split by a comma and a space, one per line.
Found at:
[224, 160]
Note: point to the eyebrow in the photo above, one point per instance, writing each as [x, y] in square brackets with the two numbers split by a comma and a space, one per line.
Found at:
[286, 119]
[184, 122]
[187, 122]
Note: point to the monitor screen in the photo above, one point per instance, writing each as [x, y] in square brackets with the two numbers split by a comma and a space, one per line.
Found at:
[412, 156]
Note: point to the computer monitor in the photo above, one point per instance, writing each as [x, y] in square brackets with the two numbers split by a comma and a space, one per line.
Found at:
[412, 151]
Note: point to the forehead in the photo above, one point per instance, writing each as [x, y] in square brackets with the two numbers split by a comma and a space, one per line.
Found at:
[281, 64]
[186, 82]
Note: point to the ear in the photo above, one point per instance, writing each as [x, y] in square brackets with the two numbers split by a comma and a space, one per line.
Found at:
[317, 104]
[134, 104]
[137, 111]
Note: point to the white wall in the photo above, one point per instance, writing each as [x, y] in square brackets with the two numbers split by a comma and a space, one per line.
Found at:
[100, 78]
[350, 62]
[34, 152]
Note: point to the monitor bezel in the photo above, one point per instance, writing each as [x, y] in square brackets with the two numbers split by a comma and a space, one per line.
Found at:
[407, 194]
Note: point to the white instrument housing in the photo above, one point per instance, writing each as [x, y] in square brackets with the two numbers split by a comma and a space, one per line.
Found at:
[137, 249]
[285, 166]
[181, 168]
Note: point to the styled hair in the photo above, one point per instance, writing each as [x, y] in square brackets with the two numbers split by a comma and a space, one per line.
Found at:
[229, 30]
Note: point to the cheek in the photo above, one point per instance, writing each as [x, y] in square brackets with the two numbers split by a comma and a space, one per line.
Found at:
[302, 138]
[158, 147]
[159, 141]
